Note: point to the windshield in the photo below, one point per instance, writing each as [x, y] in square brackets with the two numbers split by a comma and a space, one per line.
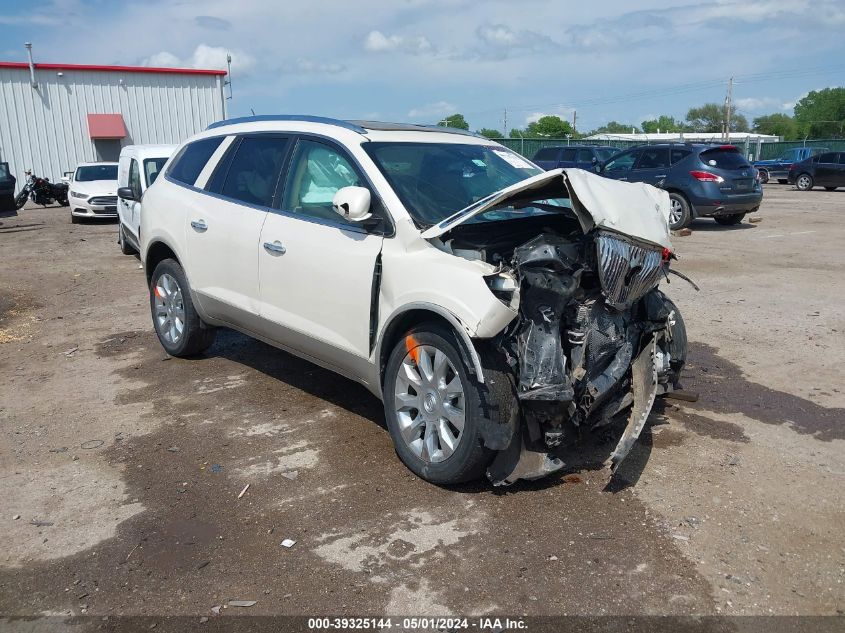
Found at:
[435, 180]
[152, 167]
[95, 172]
[604, 153]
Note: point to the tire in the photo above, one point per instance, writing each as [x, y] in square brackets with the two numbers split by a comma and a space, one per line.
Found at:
[830, 188]
[680, 215]
[20, 201]
[783, 181]
[170, 303]
[678, 345]
[125, 247]
[764, 176]
[427, 454]
[729, 220]
[804, 182]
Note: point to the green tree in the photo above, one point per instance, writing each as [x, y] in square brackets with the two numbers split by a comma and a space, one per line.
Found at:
[778, 124]
[821, 114]
[711, 117]
[490, 133]
[614, 127]
[549, 126]
[663, 123]
[456, 121]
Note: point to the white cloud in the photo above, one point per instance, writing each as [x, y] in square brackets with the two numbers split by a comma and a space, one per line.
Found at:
[378, 42]
[440, 108]
[308, 66]
[206, 57]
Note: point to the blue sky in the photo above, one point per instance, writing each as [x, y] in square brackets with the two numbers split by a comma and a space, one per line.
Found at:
[419, 60]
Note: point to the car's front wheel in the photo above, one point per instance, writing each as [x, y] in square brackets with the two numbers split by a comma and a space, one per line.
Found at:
[179, 327]
[729, 220]
[679, 212]
[125, 247]
[435, 409]
[804, 182]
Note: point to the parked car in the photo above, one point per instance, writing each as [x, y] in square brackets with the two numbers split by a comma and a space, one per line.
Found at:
[702, 180]
[580, 156]
[825, 170]
[778, 168]
[495, 317]
[7, 188]
[93, 191]
[138, 167]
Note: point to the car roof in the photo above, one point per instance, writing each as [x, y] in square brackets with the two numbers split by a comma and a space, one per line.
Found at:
[349, 131]
[148, 151]
[95, 164]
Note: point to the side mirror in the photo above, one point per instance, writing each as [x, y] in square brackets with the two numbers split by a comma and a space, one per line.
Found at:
[126, 193]
[353, 203]
[595, 160]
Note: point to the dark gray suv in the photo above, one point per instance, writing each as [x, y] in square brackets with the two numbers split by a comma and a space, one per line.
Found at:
[702, 180]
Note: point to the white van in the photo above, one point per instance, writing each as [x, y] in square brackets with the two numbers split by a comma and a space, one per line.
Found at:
[138, 167]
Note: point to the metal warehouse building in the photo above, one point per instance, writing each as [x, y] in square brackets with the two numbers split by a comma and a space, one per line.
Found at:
[54, 116]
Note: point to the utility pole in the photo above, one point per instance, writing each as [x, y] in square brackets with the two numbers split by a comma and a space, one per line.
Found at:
[728, 106]
[506, 123]
[574, 119]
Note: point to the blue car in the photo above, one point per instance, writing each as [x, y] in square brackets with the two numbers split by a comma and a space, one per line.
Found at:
[702, 180]
[580, 156]
[778, 168]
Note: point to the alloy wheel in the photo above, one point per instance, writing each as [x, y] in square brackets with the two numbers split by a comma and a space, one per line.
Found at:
[676, 212]
[429, 404]
[804, 182]
[169, 308]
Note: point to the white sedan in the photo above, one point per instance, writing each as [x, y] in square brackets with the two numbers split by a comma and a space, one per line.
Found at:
[93, 191]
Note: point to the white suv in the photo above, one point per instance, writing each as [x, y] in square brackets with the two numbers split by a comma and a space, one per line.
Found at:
[498, 310]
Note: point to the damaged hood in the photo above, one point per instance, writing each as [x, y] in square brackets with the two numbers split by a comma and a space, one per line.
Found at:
[634, 209]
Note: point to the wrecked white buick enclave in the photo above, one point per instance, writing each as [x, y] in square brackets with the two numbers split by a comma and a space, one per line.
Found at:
[499, 311]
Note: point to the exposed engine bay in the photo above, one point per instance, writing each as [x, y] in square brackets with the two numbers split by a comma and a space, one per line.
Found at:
[594, 336]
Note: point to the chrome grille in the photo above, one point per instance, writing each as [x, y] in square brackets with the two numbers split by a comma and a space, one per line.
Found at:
[102, 201]
[627, 271]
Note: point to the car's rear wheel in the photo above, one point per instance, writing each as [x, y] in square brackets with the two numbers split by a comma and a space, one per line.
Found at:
[679, 212]
[804, 182]
[729, 220]
[764, 176]
[125, 247]
[830, 188]
[179, 327]
[435, 409]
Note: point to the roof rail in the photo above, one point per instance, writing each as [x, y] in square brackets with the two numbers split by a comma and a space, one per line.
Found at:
[305, 118]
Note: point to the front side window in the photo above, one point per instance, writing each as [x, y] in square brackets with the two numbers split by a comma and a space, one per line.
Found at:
[315, 174]
[585, 156]
[90, 173]
[436, 180]
[568, 154]
[254, 170]
[135, 179]
[191, 160]
[152, 168]
[623, 162]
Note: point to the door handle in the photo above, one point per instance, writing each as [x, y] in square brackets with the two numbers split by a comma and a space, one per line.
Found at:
[275, 248]
[199, 225]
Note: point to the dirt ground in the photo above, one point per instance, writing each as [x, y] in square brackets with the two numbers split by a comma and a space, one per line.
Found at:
[121, 467]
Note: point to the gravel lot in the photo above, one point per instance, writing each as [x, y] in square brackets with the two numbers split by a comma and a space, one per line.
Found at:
[121, 467]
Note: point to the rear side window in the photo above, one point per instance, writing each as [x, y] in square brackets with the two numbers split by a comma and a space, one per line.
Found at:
[254, 170]
[724, 158]
[192, 158]
[547, 153]
[654, 158]
[568, 154]
[680, 154]
[622, 162]
[828, 158]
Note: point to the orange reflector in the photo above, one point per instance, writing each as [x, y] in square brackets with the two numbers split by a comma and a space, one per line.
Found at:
[411, 345]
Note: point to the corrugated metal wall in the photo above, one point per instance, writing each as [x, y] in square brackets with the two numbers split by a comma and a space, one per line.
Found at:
[47, 129]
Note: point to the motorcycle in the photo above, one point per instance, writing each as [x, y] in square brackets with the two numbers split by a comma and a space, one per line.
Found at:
[42, 191]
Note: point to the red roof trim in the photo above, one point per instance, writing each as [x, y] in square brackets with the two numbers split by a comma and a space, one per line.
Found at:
[118, 69]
